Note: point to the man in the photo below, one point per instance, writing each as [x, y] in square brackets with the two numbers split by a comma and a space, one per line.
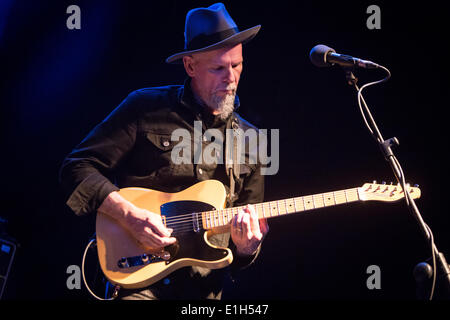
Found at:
[133, 145]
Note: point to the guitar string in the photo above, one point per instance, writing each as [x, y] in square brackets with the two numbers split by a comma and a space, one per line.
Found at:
[341, 195]
[226, 211]
[186, 226]
[185, 223]
[189, 218]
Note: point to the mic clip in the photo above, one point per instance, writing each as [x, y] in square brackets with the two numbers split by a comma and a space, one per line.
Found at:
[351, 79]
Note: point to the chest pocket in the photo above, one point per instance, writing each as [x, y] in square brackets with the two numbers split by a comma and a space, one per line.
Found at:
[161, 140]
[164, 157]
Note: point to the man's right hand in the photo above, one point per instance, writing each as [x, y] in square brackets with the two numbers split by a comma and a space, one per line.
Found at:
[146, 227]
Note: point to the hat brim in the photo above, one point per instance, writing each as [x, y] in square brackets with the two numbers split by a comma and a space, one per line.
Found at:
[235, 39]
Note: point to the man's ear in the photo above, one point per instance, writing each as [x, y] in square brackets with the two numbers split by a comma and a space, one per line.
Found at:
[188, 62]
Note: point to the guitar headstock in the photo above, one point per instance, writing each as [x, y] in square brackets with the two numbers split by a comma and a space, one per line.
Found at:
[385, 192]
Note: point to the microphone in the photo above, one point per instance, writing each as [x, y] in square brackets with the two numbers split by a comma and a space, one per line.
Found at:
[323, 56]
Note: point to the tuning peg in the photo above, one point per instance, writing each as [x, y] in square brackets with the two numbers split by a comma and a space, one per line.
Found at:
[416, 185]
[374, 181]
[383, 182]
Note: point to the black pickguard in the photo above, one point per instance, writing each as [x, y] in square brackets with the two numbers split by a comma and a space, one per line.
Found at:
[190, 243]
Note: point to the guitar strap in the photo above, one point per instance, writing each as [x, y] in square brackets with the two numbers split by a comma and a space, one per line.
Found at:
[231, 160]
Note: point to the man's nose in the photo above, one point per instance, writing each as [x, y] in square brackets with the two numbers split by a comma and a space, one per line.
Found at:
[230, 76]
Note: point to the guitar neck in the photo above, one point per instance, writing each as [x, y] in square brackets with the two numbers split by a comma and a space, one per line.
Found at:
[270, 209]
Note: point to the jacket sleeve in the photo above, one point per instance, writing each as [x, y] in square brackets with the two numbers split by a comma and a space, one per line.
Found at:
[86, 173]
[252, 192]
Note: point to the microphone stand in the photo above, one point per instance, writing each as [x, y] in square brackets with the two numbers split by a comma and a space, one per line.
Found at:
[422, 271]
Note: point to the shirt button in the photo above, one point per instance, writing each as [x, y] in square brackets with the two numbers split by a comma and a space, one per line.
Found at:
[166, 143]
[200, 170]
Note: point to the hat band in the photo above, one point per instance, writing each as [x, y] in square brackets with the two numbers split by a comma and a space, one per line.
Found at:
[205, 40]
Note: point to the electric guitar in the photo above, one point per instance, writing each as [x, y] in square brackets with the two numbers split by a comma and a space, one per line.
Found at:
[195, 214]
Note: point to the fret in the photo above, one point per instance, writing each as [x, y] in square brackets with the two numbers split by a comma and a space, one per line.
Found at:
[270, 208]
[205, 220]
[281, 209]
[327, 200]
[345, 192]
[308, 200]
[301, 204]
[295, 206]
[338, 199]
[267, 205]
[263, 205]
[216, 219]
[224, 216]
[264, 209]
[353, 195]
[318, 203]
[284, 207]
[288, 206]
[220, 217]
[211, 219]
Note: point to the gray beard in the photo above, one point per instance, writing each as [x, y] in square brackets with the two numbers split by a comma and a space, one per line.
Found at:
[224, 105]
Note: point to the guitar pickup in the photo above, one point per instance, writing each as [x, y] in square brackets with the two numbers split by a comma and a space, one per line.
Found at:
[144, 259]
[195, 224]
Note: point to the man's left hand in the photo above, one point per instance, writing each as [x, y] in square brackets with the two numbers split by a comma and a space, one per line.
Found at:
[247, 231]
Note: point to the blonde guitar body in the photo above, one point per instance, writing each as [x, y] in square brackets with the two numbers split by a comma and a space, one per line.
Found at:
[192, 248]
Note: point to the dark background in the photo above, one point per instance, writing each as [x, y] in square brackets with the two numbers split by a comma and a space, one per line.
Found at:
[57, 84]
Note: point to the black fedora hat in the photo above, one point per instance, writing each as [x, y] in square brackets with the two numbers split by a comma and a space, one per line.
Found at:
[211, 28]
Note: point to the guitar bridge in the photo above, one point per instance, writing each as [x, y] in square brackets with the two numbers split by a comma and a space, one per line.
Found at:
[144, 259]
